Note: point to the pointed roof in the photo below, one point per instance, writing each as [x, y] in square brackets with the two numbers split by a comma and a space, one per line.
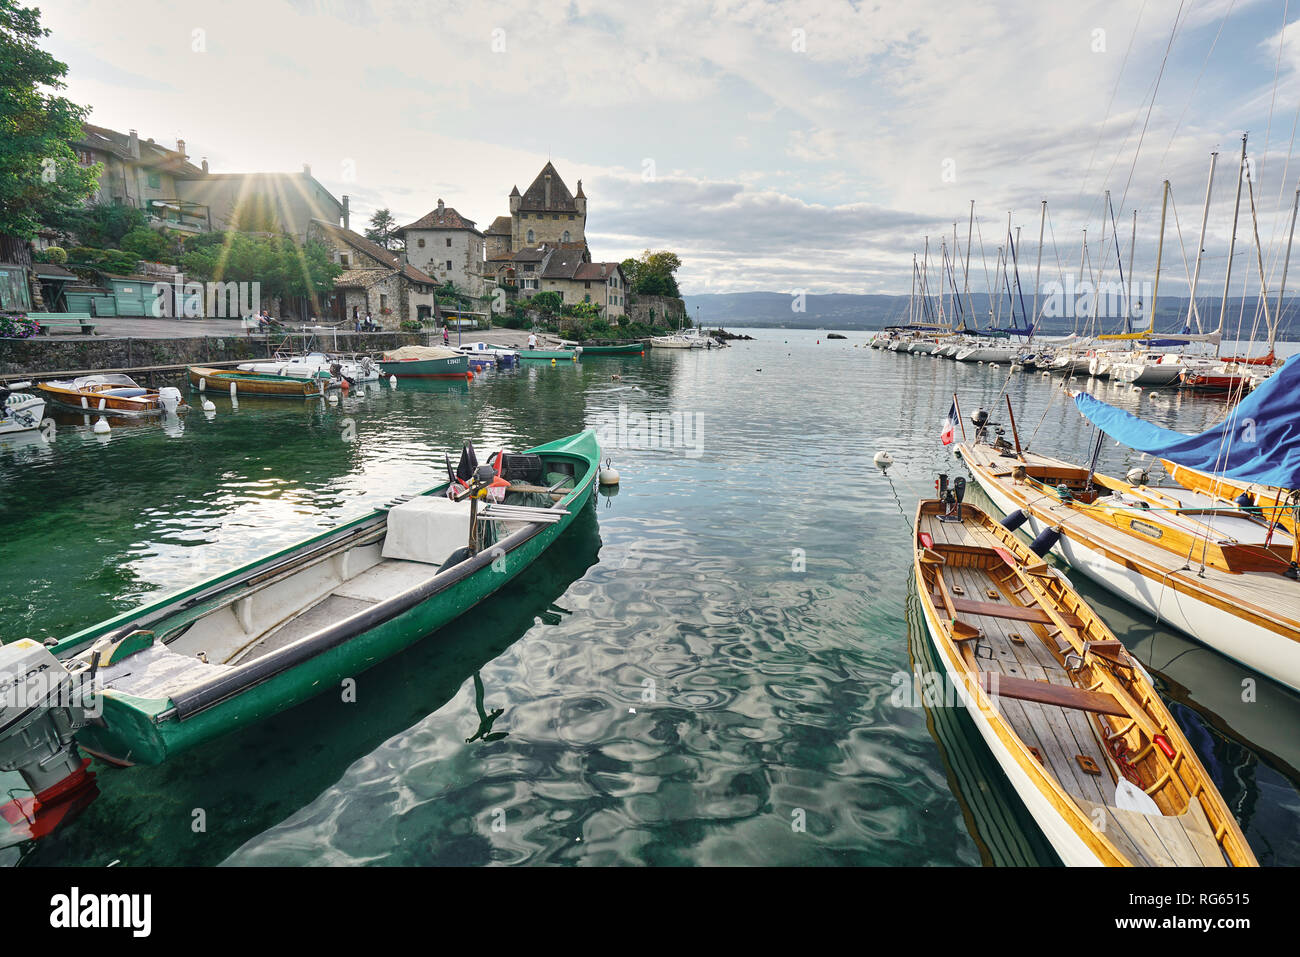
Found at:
[534, 199]
[500, 226]
[514, 191]
[579, 194]
[443, 217]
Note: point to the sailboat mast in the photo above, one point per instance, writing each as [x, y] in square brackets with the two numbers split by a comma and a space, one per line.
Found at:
[911, 302]
[1038, 270]
[1259, 258]
[1160, 254]
[1286, 263]
[970, 227]
[1083, 256]
[1200, 250]
[1128, 299]
[1232, 243]
[925, 284]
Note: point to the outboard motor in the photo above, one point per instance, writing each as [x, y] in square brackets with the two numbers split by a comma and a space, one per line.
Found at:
[170, 399]
[41, 708]
[980, 419]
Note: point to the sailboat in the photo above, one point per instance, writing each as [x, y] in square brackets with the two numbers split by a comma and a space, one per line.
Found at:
[1222, 570]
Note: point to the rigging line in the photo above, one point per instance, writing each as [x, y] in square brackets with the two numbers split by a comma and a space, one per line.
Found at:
[1277, 71]
[1222, 23]
[1151, 106]
[1101, 130]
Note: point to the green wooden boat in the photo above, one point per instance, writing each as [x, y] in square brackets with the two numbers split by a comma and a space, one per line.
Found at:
[623, 349]
[258, 639]
[548, 354]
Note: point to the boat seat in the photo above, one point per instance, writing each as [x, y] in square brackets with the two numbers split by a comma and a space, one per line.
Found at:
[124, 393]
[1044, 692]
[989, 609]
[427, 529]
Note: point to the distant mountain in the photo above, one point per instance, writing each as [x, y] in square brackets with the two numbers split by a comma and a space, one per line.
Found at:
[847, 311]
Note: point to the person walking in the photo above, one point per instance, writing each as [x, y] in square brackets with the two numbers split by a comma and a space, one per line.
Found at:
[532, 340]
[446, 339]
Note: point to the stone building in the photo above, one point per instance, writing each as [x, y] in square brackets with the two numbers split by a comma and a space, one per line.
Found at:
[446, 245]
[176, 194]
[374, 280]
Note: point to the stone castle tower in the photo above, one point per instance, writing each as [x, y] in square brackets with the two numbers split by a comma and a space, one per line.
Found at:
[547, 213]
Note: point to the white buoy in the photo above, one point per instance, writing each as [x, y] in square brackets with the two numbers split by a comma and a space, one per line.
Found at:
[102, 426]
[883, 459]
[209, 406]
[234, 391]
[332, 398]
[993, 365]
[1047, 375]
[203, 385]
[392, 381]
[102, 403]
[609, 476]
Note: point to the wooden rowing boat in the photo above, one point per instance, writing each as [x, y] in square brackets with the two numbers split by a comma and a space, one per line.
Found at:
[623, 349]
[1203, 565]
[111, 394]
[1070, 717]
[237, 382]
[251, 642]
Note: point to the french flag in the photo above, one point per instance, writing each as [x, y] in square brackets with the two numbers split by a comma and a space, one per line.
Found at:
[949, 425]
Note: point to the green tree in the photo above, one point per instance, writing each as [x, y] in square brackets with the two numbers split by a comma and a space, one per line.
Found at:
[548, 303]
[146, 243]
[653, 273]
[381, 229]
[284, 269]
[99, 225]
[40, 177]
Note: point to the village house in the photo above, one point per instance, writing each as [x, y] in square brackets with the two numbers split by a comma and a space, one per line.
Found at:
[374, 280]
[176, 194]
[447, 246]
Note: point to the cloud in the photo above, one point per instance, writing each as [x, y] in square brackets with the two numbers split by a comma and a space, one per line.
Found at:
[807, 143]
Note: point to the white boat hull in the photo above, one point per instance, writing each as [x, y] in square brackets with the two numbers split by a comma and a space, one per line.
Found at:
[22, 413]
[1255, 647]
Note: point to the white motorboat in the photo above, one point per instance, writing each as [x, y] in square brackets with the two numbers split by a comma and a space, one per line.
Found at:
[312, 364]
[19, 411]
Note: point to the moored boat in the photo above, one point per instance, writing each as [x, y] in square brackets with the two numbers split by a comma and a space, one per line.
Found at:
[1220, 571]
[425, 362]
[253, 641]
[623, 349]
[1069, 715]
[569, 354]
[238, 382]
[111, 394]
[19, 411]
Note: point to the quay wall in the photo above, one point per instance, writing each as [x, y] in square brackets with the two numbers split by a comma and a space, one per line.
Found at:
[41, 355]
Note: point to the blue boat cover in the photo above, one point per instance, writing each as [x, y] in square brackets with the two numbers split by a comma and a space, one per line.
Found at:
[1258, 442]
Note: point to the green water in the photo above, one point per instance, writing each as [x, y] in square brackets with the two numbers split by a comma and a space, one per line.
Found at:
[699, 672]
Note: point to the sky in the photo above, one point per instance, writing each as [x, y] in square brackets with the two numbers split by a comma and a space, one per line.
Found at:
[790, 146]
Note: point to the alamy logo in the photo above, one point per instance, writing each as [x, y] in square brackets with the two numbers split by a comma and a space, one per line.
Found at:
[1103, 300]
[133, 911]
[179, 299]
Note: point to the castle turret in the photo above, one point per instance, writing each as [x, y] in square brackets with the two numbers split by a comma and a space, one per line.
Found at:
[580, 201]
[514, 201]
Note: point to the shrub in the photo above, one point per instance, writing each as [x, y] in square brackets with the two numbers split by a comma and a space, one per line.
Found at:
[86, 254]
[412, 325]
[119, 263]
[145, 243]
[52, 254]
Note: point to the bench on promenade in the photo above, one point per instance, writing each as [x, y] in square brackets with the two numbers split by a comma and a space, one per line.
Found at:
[63, 323]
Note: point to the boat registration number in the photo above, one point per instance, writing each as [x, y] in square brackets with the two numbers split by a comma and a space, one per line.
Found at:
[1146, 528]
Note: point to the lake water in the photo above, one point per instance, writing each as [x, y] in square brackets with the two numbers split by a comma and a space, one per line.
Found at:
[700, 672]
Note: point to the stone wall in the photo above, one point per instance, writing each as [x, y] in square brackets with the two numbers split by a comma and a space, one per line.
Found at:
[666, 310]
[41, 356]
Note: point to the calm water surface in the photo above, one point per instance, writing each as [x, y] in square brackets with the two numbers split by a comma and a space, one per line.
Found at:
[699, 672]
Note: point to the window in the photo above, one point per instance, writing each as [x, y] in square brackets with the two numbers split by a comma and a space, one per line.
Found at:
[587, 285]
[383, 302]
[530, 237]
[555, 215]
[528, 283]
[449, 264]
[343, 259]
[570, 217]
[449, 241]
[155, 181]
[566, 235]
[420, 243]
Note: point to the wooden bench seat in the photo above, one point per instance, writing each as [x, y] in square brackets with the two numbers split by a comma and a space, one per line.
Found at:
[994, 609]
[68, 323]
[1044, 692]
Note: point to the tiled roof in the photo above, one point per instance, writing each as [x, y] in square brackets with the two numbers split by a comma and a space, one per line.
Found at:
[500, 226]
[599, 271]
[534, 197]
[444, 217]
[151, 154]
[563, 264]
[374, 251]
[360, 278]
[529, 254]
[53, 270]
